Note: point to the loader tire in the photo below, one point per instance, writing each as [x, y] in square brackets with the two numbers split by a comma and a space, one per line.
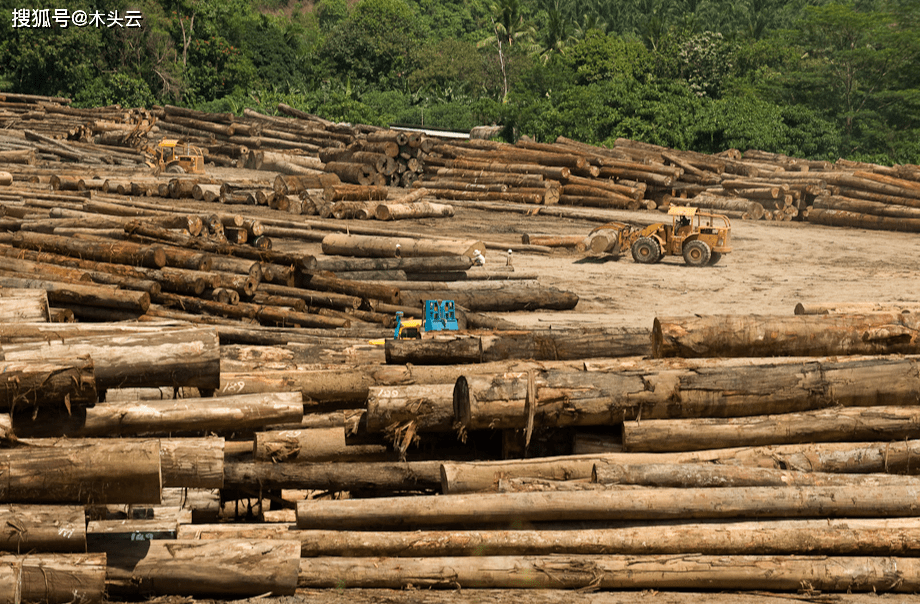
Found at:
[645, 250]
[714, 258]
[174, 169]
[697, 253]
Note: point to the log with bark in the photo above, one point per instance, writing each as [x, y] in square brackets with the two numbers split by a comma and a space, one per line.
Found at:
[332, 476]
[66, 294]
[179, 357]
[221, 569]
[115, 252]
[87, 473]
[507, 299]
[312, 446]
[846, 308]
[467, 477]
[653, 573]
[240, 414]
[66, 384]
[419, 209]
[53, 578]
[631, 504]
[878, 537]
[763, 335]
[539, 345]
[42, 528]
[824, 425]
[862, 221]
[397, 247]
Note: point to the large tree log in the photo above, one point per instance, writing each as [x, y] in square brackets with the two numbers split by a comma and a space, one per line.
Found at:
[429, 407]
[862, 221]
[878, 537]
[351, 384]
[23, 305]
[314, 445]
[241, 414]
[330, 476]
[763, 336]
[466, 477]
[700, 475]
[67, 294]
[419, 209]
[224, 568]
[38, 528]
[55, 578]
[776, 573]
[66, 384]
[824, 425]
[507, 299]
[88, 473]
[115, 252]
[847, 308]
[539, 345]
[394, 247]
[597, 505]
[704, 388]
[425, 264]
[188, 357]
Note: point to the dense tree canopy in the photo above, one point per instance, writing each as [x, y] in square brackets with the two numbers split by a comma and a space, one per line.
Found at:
[809, 78]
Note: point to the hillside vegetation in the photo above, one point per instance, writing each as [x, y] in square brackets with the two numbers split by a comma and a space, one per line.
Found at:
[807, 78]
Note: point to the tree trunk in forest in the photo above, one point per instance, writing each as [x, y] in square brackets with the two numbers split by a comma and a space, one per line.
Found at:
[763, 336]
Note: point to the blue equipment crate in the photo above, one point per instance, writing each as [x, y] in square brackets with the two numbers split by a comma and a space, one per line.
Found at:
[439, 316]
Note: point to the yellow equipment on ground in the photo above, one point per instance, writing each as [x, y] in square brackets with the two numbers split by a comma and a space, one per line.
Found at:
[700, 237]
[176, 157]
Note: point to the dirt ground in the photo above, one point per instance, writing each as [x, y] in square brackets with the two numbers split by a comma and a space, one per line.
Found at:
[773, 266]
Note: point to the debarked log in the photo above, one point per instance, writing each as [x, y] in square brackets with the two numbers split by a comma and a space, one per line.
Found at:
[663, 390]
[188, 357]
[36, 383]
[23, 305]
[768, 573]
[800, 335]
[240, 413]
[89, 473]
[602, 505]
[823, 425]
[198, 568]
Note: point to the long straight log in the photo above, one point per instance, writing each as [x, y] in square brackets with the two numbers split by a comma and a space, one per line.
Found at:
[314, 445]
[847, 308]
[222, 568]
[92, 473]
[506, 299]
[862, 221]
[878, 537]
[396, 247]
[470, 477]
[748, 573]
[705, 475]
[187, 357]
[189, 415]
[419, 209]
[824, 425]
[543, 345]
[709, 388]
[65, 294]
[116, 252]
[67, 383]
[330, 476]
[762, 336]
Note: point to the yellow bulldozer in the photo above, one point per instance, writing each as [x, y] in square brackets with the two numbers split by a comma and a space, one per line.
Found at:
[176, 157]
[700, 237]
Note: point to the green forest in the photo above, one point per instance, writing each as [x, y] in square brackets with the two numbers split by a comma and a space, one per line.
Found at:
[808, 78]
